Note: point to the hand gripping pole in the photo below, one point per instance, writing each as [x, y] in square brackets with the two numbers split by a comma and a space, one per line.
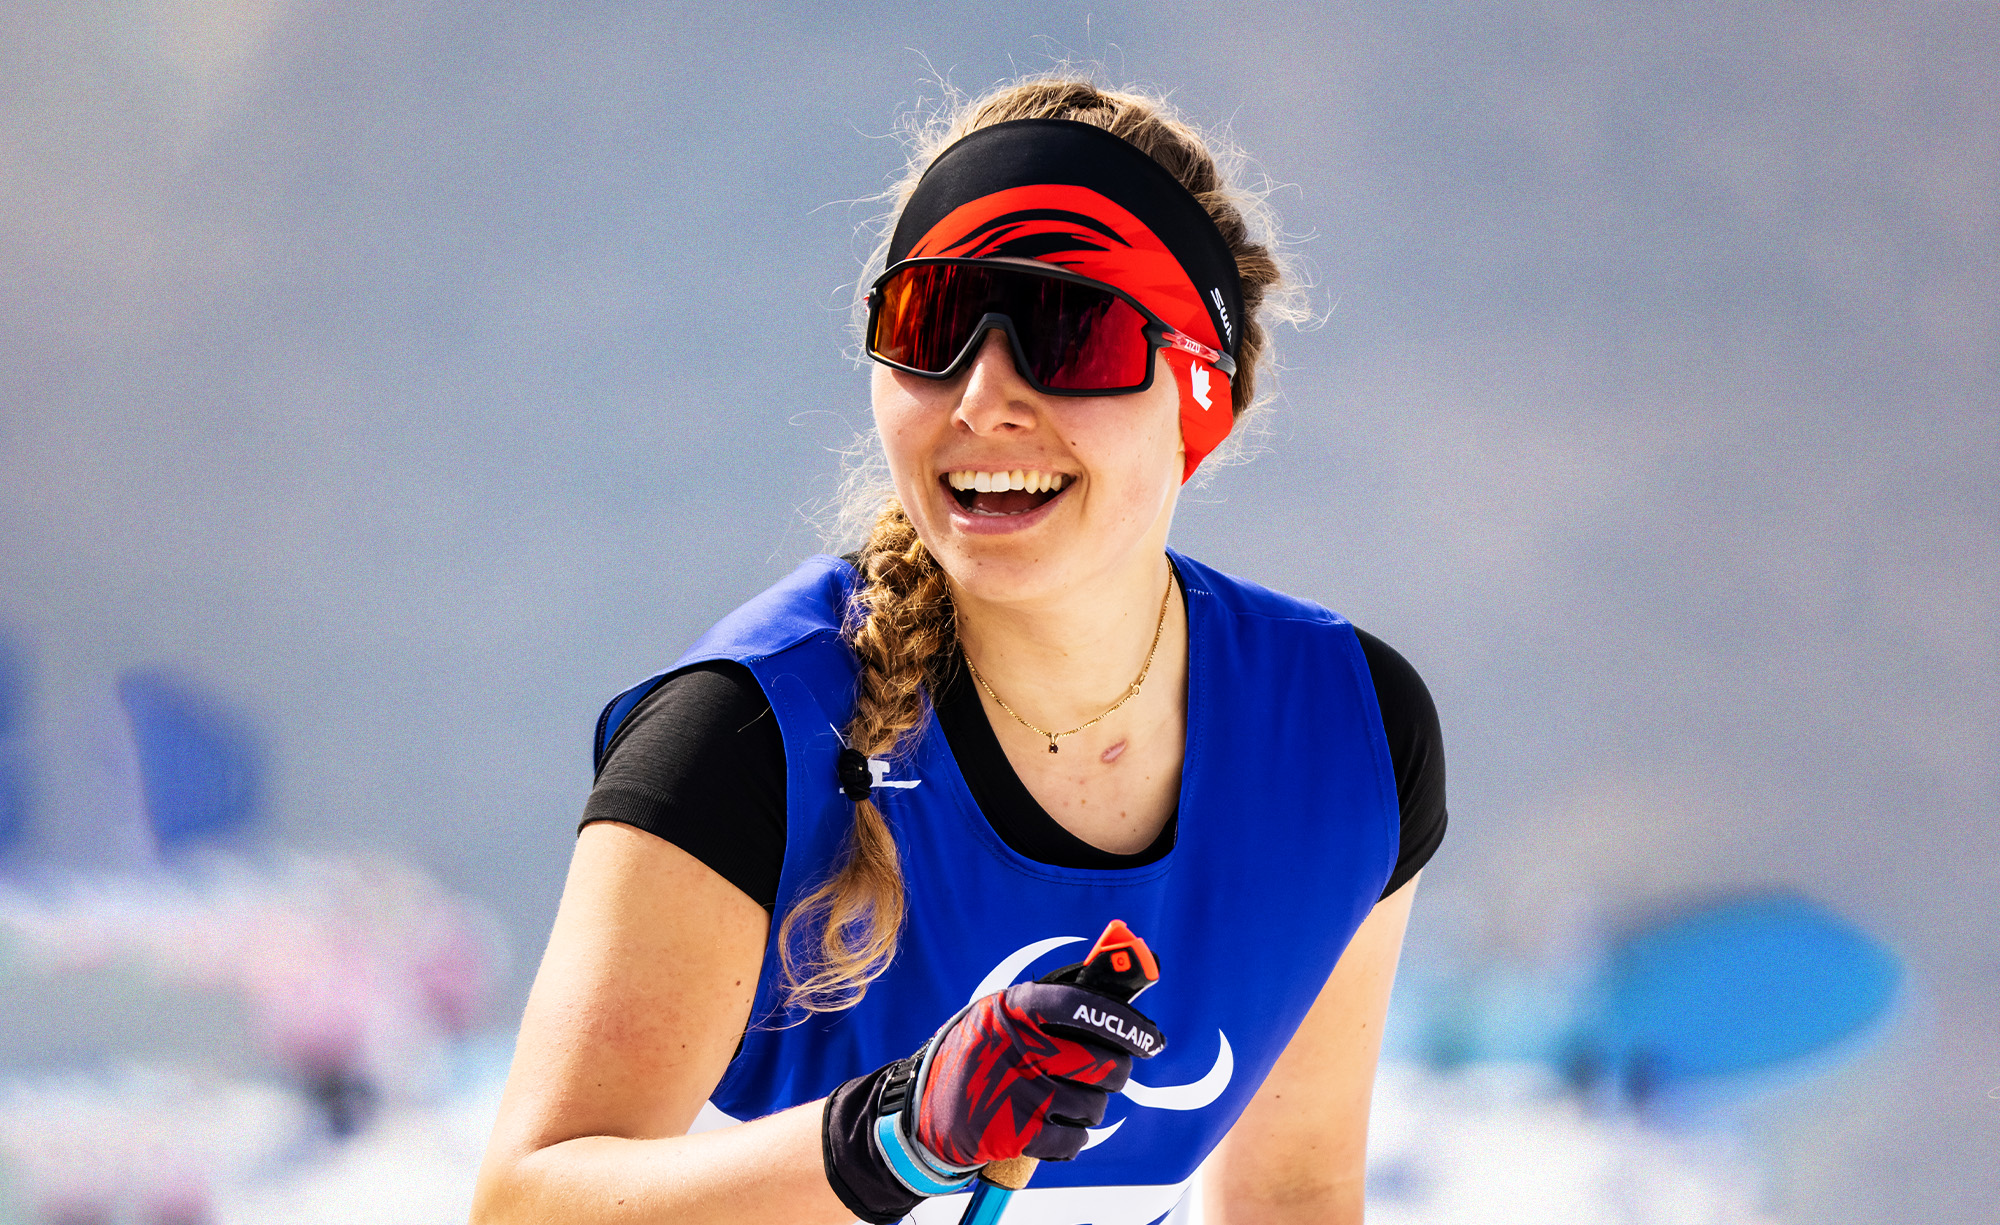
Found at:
[1119, 966]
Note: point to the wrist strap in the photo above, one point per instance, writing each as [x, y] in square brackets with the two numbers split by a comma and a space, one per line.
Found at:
[897, 1082]
[908, 1160]
[878, 1170]
[908, 1163]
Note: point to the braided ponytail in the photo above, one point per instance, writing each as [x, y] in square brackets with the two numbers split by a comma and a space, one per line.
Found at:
[900, 624]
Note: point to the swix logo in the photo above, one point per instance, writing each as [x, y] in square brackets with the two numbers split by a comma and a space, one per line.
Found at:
[1198, 383]
[1112, 1023]
[1228, 328]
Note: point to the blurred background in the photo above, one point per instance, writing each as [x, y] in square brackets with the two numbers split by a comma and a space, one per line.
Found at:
[383, 387]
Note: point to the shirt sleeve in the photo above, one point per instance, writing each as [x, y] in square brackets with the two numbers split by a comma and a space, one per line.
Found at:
[700, 762]
[1416, 751]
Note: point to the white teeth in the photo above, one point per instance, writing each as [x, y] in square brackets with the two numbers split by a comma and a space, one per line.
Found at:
[997, 482]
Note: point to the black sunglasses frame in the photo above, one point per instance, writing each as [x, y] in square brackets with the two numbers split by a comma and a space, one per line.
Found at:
[1158, 333]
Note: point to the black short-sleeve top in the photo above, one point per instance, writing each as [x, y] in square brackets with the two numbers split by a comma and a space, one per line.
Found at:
[700, 763]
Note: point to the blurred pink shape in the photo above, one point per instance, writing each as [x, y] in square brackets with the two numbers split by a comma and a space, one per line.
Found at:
[353, 972]
[140, 1144]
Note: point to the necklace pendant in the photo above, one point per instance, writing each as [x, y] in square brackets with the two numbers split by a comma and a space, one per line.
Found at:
[1159, 627]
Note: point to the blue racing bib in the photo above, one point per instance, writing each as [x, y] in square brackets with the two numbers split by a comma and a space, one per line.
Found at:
[1288, 832]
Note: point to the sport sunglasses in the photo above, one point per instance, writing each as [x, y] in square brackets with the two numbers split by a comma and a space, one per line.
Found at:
[1071, 336]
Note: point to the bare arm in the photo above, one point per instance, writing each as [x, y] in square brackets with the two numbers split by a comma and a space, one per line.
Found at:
[641, 996]
[1299, 1152]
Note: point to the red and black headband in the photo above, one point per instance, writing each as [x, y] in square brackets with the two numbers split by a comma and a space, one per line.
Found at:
[1063, 228]
[1075, 196]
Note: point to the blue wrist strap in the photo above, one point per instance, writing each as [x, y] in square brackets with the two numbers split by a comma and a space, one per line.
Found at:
[909, 1167]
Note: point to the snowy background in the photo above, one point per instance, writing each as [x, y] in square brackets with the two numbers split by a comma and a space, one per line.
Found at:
[384, 386]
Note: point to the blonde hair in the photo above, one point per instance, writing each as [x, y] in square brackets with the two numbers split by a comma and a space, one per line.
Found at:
[900, 621]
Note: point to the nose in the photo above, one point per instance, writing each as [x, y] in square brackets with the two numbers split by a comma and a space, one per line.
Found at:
[995, 398]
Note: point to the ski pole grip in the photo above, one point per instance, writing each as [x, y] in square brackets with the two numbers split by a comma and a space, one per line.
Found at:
[1012, 1173]
[1119, 966]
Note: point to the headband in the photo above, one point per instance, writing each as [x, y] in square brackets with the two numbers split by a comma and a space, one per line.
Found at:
[1073, 195]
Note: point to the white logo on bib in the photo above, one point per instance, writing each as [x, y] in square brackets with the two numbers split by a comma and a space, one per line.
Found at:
[878, 776]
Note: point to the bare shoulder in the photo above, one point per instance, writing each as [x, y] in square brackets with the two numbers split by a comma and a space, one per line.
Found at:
[641, 996]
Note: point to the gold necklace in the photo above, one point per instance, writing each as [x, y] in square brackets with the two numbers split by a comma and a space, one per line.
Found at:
[1130, 693]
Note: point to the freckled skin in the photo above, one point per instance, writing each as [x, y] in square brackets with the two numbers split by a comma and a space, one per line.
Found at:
[1060, 616]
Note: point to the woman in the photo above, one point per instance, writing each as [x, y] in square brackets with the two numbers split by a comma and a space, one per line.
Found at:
[822, 846]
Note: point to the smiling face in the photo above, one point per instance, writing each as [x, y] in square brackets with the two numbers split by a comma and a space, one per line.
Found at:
[1097, 476]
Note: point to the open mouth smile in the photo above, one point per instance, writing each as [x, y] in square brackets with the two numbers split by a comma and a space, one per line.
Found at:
[1019, 491]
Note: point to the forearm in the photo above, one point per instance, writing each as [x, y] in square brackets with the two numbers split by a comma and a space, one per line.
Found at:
[1330, 1202]
[1299, 1151]
[768, 1169]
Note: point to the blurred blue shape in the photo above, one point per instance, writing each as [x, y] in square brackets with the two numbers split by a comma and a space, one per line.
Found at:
[13, 688]
[199, 763]
[480, 1061]
[13, 748]
[13, 796]
[1737, 987]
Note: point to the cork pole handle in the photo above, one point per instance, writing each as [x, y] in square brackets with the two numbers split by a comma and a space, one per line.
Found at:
[1012, 1173]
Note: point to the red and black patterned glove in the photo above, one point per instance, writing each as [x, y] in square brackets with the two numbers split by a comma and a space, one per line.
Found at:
[1022, 1072]
[1017, 1073]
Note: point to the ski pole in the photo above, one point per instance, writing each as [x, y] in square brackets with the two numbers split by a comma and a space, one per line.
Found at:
[1119, 966]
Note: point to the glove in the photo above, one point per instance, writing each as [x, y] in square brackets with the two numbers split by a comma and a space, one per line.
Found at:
[1021, 1072]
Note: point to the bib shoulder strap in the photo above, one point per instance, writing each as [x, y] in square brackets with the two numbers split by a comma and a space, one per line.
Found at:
[806, 604]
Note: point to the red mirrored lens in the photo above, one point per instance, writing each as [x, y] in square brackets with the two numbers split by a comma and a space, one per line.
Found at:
[924, 316]
[1076, 337]
[1097, 344]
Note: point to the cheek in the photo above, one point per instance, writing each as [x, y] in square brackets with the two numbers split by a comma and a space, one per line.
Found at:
[886, 400]
[899, 418]
[1162, 413]
[1133, 443]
